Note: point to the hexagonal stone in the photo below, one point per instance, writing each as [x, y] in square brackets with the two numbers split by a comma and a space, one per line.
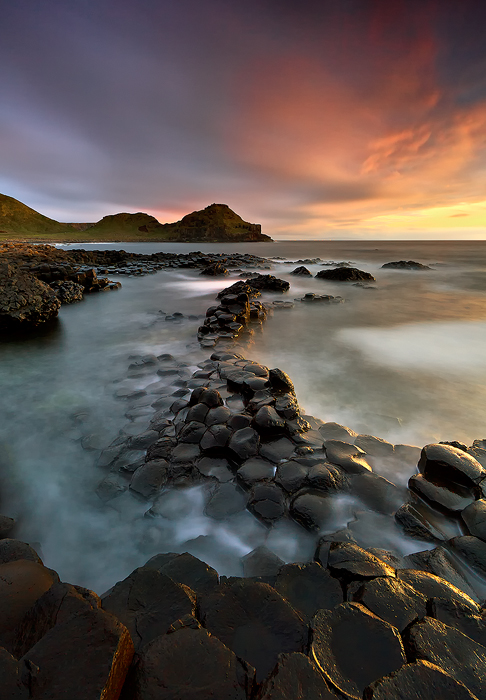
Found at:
[450, 464]
[227, 499]
[313, 510]
[261, 562]
[255, 622]
[295, 676]
[192, 432]
[418, 680]
[353, 562]
[473, 550]
[280, 381]
[374, 446]
[440, 562]
[256, 469]
[475, 518]
[277, 450]
[453, 497]
[267, 501]
[377, 493]
[415, 524]
[327, 477]
[220, 414]
[198, 412]
[287, 406]
[215, 467]
[267, 420]
[185, 569]
[455, 614]
[150, 478]
[291, 475]
[352, 459]
[352, 647]
[244, 443]
[185, 453]
[238, 421]
[432, 586]
[392, 600]
[452, 651]
[161, 449]
[215, 437]
[308, 588]
[335, 431]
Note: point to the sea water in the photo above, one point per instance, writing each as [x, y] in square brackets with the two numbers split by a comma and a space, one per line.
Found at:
[403, 359]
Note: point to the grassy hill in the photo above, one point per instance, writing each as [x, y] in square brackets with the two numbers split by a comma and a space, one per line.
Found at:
[18, 218]
[123, 225]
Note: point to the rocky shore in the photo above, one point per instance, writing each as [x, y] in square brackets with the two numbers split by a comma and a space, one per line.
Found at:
[343, 620]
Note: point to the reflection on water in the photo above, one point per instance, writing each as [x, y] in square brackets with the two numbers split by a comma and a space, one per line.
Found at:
[404, 360]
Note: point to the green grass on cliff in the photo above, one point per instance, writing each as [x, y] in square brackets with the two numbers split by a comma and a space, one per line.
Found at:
[20, 220]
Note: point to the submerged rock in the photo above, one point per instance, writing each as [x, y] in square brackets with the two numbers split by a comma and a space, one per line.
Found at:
[345, 274]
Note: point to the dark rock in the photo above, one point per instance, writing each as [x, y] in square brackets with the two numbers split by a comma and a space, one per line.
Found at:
[416, 525]
[255, 469]
[432, 586]
[218, 415]
[244, 443]
[216, 437]
[186, 569]
[215, 467]
[25, 299]
[475, 518]
[87, 656]
[352, 459]
[287, 406]
[405, 265]
[415, 681]
[185, 453]
[148, 602]
[376, 493]
[452, 651]
[452, 497]
[280, 381]
[110, 487]
[13, 550]
[198, 412]
[267, 502]
[392, 600]
[215, 270]
[255, 622]
[295, 676]
[277, 450]
[352, 647]
[17, 677]
[374, 446]
[6, 526]
[352, 562]
[334, 431]
[190, 664]
[261, 562]
[449, 464]
[67, 291]
[455, 614]
[238, 421]
[308, 588]
[192, 432]
[326, 477]
[143, 440]
[345, 274]
[226, 500]
[439, 562]
[473, 550]
[150, 478]
[291, 476]
[267, 421]
[312, 509]
[301, 271]
[161, 449]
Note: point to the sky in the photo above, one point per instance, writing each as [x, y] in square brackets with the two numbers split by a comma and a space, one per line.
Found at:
[316, 118]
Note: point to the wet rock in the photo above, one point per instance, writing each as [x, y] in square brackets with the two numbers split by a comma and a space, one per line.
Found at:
[376, 493]
[267, 421]
[218, 415]
[287, 406]
[345, 274]
[215, 438]
[416, 525]
[186, 569]
[392, 600]
[475, 518]
[25, 299]
[214, 673]
[418, 680]
[452, 651]
[353, 648]
[450, 464]
[295, 676]
[217, 269]
[215, 467]
[374, 446]
[267, 502]
[13, 550]
[453, 498]
[277, 450]
[255, 622]
[87, 656]
[280, 381]
[261, 562]
[197, 412]
[192, 432]
[312, 509]
[110, 487]
[347, 560]
[244, 443]
[143, 440]
[161, 449]
[148, 602]
[334, 431]
[6, 526]
[238, 421]
[455, 614]
[149, 479]
[432, 586]
[255, 469]
[439, 562]
[291, 476]
[352, 459]
[327, 477]
[17, 677]
[226, 500]
[184, 453]
[308, 588]
[302, 271]
[405, 265]
[472, 550]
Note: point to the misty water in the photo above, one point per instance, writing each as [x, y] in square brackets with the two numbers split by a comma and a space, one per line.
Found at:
[404, 360]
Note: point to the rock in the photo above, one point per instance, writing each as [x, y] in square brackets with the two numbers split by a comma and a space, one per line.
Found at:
[190, 664]
[312, 509]
[67, 291]
[287, 406]
[291, 476]
[405, 265]
[186, 569]
[473, 550]
[439, 562]
[280, 381]
[255, 469]
[149, 479]
[267, 502]
[221, 414]
[215, 270]
[184, 453]
[416, 525]
[347, 560]
[255, 622]
[17, 677]
[148, 602]
[345, 274]
[261, 562]
[432, 586]
[475, 518]
[13, 550]
[452, 651]
[450, 465]
[374, 446]
[143, 440]
[303, 271]
[353, 648]
[215, 467]
[197, 412]
[191, 432]
[308, 588]
[215, 438]
[416, 681]
[452, 497]
[244, 443]
[6, 526]
[334, 431]
[238, 421]
[87, 656]
[277, 450]
[352, 459]
[227, 499]
[267, 421]
[160, 449]
[376, 493]
[295, 676]
[24, 299]
[110, 487]
[455, 614]
[392, 600]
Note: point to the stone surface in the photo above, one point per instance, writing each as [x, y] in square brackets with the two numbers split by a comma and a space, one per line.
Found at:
[267, 501]
[432, 586]
[353, 648]
[291, 475]
[473, 550]
[352, 459]
[418, 681]
[186, 569]
[255, 469]
[308, 588]
[13, 550]
[261, 562]
[453, 497]
[149, 478]
[450, 464]
[312, 509]
[353, 562]
[345, 274]
[475, 518]
[244, 443]
[16, 677]
[227, 499]
[255, 622]
[295, 677]
[392, 600]
[24, 299]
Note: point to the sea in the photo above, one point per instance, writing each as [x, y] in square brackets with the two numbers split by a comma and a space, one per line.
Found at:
[403, 358]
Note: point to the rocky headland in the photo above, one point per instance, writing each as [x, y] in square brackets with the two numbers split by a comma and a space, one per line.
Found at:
[345, 620]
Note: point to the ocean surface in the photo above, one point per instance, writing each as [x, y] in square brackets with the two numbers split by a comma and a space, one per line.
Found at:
[404, 360]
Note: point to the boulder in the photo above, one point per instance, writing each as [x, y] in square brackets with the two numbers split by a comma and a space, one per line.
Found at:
[349, 561]
[24, 300]
[353, 648]
[312, 509]
[261, 562]
[149, 478]
[267, 421]
[255, 469]
[452, 497]
[416, 681]
[450, 464]
[13, 550]
[345, 274]
[456, 614]
[186, 569]
[295, 676]
[405, 265]
[291, 476]
[473, 550]
[244, 443]
[255, 622]
[280, 381]
[475, 518]
[17, 677]
[302, 271]
[308, 588]
[392, 600]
